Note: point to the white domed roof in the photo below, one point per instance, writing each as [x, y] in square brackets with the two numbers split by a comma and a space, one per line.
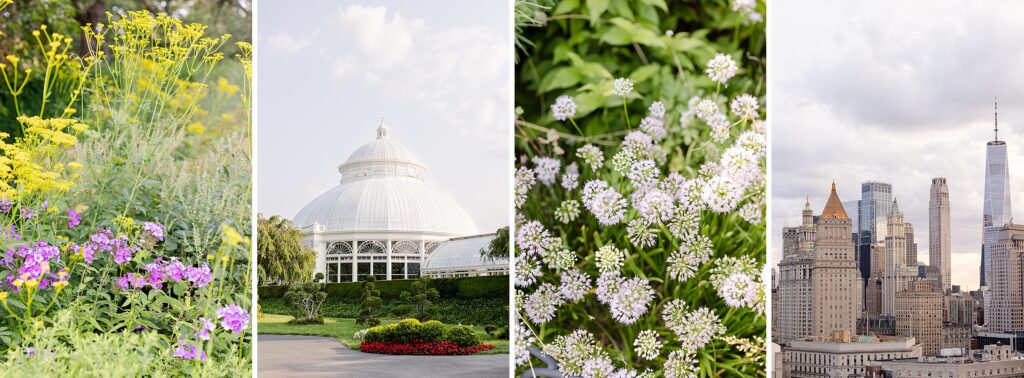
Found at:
[382, 189]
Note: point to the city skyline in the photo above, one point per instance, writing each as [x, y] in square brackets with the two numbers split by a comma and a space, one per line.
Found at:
[871, 105]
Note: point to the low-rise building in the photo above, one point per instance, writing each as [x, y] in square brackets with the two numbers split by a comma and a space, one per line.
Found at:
[997, 361]
[843, 354]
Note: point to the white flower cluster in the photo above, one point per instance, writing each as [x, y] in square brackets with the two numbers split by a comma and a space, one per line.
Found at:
[657, 208]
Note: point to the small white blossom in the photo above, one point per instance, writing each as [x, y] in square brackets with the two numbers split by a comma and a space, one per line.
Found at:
[693, 252]
[607, 286]
[534, 239]
[527, 270]
[524, 182]
[609, 258]
[722, 194]
[522, 340]
[623, 161]
[567, 211]
[721, 68]
[647, 344]
[739, 290]
[623, 87]
[719, 127]
[591, 155]
[706, 109]
[631, 300]
[575, 285]
[546, 169]
[605, 203]
[643, 173]
[560, 259]
[744, 106]
[691, 111]
[598, 367]
[752, 141]
[657, 109]
[570, 180]
[694, 328]
[685, 223]
[541, 305]
[641, 234]
[563, 108]
[751, 212]
[741, 165]
[681, 364]
[653, 127]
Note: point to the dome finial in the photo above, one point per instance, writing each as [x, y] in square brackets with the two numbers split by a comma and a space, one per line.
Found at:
[382, 131]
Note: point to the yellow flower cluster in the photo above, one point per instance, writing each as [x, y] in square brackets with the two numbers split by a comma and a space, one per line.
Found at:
[32, 164]
[232, 237]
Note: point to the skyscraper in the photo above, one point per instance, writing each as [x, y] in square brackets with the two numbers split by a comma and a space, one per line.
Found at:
[875, 206]
[896, 274]
[996, 211]
[835, 305]
[939, 233]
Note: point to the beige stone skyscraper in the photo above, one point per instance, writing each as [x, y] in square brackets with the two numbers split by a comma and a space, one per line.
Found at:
[939, 233]
[919, 314]
[896, 273]
[836, 281]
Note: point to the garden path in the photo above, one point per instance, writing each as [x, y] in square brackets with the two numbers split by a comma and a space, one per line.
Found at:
[305, 356]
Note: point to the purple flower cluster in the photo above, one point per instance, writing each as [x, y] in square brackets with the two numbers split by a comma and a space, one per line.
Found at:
[161, 271]
[105, 241]
[12, 233]
[74, 218]
[153, 230]
[188, 351]
[33, 263]
[206, 326]
[5, 205]
[233, 318]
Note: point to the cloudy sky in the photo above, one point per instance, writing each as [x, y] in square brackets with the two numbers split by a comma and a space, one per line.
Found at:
[899, 92]
[438, 73]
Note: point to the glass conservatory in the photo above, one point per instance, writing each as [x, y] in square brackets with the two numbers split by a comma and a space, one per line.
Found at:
[460, 257]
[382, 219]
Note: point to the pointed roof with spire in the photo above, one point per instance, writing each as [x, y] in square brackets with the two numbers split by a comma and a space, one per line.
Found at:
[895, 206]
[834, 207]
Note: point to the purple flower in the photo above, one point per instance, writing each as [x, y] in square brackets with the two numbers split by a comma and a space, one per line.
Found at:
[233, 318]
[26, 213]
[101, 240]
[188, 351]
[122, 251]
[153, 230]
[131, 281]
[12, 233]
[5, 205]
[156, 274]
[199, 276]
[30, 351]
[206, 326]
[175, 269]
[74, 218]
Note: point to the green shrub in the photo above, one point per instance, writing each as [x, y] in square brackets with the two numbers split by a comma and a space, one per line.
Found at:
[462, 287]
[370, 303]
[463, 335]
[477, 311]
[412, 330]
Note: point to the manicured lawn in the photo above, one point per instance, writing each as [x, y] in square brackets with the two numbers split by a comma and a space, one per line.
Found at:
[343, 329]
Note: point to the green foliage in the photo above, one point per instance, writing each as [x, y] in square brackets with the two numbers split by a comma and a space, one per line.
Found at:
[412, 330]
[418, 301]
[306, 300]
[498, 247]
[280, 253]
[477, 311]
[370, 303]
[462, 287]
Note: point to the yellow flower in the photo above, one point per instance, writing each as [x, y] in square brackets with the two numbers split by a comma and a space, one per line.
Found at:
[75, 165]
[225, 87]
[60, 285]
[196, 128]
[31, 284]
[39, 324]
[209, 256]
[3, 296]
[227, 116]
[18, 282]
[231, 235]
[224, 259]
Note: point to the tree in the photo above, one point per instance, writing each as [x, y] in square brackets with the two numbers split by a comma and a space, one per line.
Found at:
[371, 302]
[498, 247]
[418, 302]
[307, 298]
[280, 253]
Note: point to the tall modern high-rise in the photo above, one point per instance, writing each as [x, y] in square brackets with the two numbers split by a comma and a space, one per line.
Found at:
[996, 211]
[875, 206]
[939, 233]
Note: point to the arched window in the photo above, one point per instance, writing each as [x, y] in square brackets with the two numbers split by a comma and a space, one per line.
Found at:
[372, 247]
[405, 247]
[339, 248]
[432, 246]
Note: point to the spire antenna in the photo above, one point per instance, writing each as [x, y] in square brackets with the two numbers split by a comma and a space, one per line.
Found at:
[382, 131]
[997, 119]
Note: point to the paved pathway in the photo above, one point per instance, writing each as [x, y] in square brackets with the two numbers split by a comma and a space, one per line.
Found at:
[306, 356]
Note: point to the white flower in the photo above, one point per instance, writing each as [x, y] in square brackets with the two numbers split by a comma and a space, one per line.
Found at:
[743, 6]
[598, 367]
[641, 234]
[592, 156]
[693, 252]
[524, 182]
[722, 194]
[605, 203]
[719, 127]
[728, 265]
[744, 106]
[546, 169]
[657, 109]
[752, 141]
[574, 285]
[706, 109]
[694, 328]
[609, 259]
[741, 165]
[623, 87]
[631, 300]
[570, 180]
[527, 270]
[560, 259]
[541, 305]
[563, 108]
[751, 212]
[523, 339]
[691, 111]
[647, 344]
[684, 223]
[573, 350]
[721, 68]
[739, 290]
[681, 364]
[607, 285]
[534, 239]
[623, 161]
[567, 211]
[653, 127]
[643, 173]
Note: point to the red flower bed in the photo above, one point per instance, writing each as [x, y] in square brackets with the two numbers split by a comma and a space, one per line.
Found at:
[437, 348]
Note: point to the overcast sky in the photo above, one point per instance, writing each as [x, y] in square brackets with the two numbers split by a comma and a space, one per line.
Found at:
[899, 92]
[438, 73]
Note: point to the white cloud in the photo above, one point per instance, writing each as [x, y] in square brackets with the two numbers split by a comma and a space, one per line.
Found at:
[344, 66]
[284, 43]
[385, 41]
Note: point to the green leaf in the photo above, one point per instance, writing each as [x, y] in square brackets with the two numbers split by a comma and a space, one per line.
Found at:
[562, 77]
[645, 72]
[566, 6]
[597, 8]
[617, 36]
[658, 3]
[587, 102]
